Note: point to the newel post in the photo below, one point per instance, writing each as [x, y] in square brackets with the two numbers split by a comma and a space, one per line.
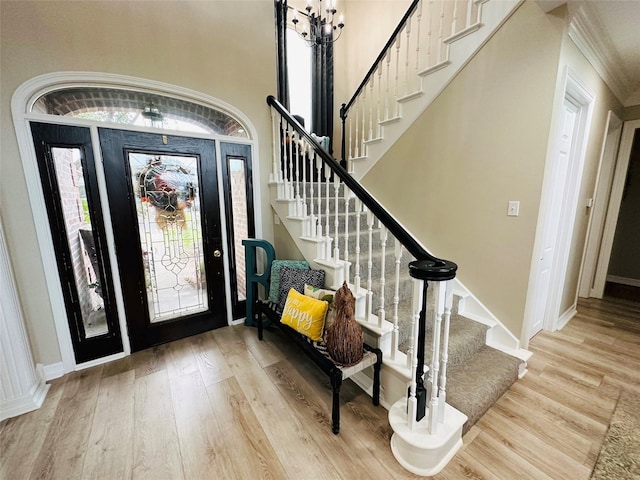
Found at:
[426, 270]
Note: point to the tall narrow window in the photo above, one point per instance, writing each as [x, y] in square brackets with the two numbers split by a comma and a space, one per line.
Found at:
[240, 224]
[299, 72]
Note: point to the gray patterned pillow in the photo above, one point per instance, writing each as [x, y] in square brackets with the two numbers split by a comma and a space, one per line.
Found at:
[274, 280]
[296, 278]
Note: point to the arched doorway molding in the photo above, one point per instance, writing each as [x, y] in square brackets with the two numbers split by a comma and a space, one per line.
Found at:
[22, 102]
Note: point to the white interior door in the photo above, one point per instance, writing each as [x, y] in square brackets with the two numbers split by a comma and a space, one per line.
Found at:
[560, 167]
[620, 175]
[602, 193]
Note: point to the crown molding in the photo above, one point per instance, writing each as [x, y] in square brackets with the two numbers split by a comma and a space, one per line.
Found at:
[592, 40]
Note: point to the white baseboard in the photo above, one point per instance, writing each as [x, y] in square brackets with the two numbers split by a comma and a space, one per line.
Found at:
[100, 361]
[52, 371]
[25, 403]
[633, 282]
[566, 317]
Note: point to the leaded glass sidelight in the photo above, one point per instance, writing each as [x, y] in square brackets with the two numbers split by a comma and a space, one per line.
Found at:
[238, 187]
[77, 220]
[166, 191]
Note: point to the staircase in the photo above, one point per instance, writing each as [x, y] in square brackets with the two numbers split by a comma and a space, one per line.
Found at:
[478, 373]
[408, 302]
[434, 40]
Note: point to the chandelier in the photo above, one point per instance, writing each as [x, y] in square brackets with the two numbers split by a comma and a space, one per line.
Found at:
[320, 23]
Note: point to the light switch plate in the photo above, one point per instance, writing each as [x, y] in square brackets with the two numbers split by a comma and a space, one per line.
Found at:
[514, 208]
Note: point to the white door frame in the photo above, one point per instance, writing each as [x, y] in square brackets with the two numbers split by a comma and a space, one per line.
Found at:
[574, 90]
[600, 199]
[613, 210]
[21, 103]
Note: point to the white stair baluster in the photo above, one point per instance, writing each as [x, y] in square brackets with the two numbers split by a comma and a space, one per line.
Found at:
[387, 113]
[336, 221]
[286, 164]
[396, 92]
[418, 19]
[370, 220]
[364, 120]
[430, 11]
[305, 148]
[356, 278]
[435, 356]
[319, 233]
[383, 248]
[406, 63]
[349, 153]
[371, 101]
[356, 147]
[312, 215]
[444, 359]
[274, 148]
[397, 253]
[295, 148]
[327, 232]
[441, 33]
[379, 100]
[412, 359]
[454, 26]
[347, 197]
[469, 12]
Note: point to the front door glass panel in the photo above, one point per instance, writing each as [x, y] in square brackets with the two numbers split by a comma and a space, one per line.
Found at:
[240, 215]
[77, 220]
[166, 192]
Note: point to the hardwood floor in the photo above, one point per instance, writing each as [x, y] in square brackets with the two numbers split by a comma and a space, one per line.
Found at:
[223, 405]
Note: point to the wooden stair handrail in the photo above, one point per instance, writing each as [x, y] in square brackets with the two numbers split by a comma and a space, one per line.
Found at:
[426, 266]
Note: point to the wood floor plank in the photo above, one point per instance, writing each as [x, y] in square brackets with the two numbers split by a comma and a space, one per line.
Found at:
[266, 352]
[180, 358]
[279, 422]
[502, 460]
[212, 366]
[63, 450]
[156, 450]
[526, 444]
[307, 402]
[252, 455]
[199, 434]
[545, 427]
[110, 448]
[550, 408]
[23, 437]
[224, 405]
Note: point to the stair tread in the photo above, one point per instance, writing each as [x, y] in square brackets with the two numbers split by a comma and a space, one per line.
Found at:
[477, 384]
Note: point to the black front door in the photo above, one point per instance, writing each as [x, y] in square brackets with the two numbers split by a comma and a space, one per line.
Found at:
[163, 197]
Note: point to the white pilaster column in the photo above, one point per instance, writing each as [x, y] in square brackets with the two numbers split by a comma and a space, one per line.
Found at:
[21, 387]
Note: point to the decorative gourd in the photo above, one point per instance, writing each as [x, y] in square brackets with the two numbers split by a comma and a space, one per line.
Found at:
[344, 338]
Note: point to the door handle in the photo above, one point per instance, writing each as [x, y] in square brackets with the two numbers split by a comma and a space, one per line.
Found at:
[217, 253]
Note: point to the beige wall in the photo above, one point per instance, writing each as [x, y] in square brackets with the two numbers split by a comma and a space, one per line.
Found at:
[480, 144]
[631, 113]
[368, 26]
[202, 45]
[604, 100]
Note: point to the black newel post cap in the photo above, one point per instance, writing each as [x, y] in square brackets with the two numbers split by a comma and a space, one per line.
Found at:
[435, 270]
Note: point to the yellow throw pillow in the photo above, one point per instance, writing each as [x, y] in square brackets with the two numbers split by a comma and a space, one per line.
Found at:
[304, 314]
